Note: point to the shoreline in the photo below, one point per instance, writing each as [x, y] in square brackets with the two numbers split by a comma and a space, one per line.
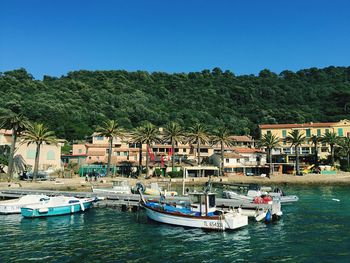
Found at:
[79, 184]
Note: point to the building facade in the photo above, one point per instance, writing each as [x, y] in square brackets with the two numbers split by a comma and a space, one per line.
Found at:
[282, 131]
[50, 155]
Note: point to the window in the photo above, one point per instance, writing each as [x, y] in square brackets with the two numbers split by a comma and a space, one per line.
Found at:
[183, 150]
[31, 154]
[340, 132]
[305, 150]
[286, 150]
[318, 132]
[284, 142]
[327, 130]
[107, 151]
[308, 133]
[204, 150]
[324, 149]
[284, 133]
[50, 155]
[99, 138]
[227, 160]
[268, 132]
[238, 160]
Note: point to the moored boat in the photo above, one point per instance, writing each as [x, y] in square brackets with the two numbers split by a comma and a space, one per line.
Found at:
[13, 206]
[118, 187]
[200, 213]
[253, 194]
[58, 205]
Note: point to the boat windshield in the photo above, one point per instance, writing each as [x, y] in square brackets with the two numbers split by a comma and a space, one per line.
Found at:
[211, 200]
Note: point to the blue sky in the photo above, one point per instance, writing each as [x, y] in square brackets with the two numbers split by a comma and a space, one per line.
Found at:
[244, 36]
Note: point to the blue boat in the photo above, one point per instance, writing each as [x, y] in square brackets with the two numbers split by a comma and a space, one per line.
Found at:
[58, 205]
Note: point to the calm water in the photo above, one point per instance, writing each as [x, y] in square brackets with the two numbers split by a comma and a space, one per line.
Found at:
[316, 229]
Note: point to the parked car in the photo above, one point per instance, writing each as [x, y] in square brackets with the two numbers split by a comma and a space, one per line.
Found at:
[41, 176]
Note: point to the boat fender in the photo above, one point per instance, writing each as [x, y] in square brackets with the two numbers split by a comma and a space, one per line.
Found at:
[268, 216]
[81, 205]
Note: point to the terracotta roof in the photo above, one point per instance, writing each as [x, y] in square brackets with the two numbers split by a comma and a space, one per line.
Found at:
[5, 132]
[296, 125]
[247, 150]
[242, 138]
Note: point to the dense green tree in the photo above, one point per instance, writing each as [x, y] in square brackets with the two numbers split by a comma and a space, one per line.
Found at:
[344, 145]
[296, 139]
[37, 133]
[222, 136]
[17, 123]
[110, 129]
[75, 104]
[331, 138]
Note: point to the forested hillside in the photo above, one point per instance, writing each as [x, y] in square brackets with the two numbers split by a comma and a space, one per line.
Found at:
[73, 105]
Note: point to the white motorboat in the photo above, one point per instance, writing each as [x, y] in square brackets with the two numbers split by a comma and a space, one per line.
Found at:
[256, 192]
[57, 205]
[118, 187]
[14, 206]
[200, 213]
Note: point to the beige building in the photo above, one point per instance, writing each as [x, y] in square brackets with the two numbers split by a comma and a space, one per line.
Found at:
[50, 155]
[341, 128]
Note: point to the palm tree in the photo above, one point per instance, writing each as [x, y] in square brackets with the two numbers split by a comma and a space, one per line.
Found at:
[17, 123]
[222, 136]
[269, 141]
[315, 139]
[37, 134]
[147, 134]
[344, 144]
[110, 129]
[198, 134]
[332, 139]
[296, 139]
[173, 133]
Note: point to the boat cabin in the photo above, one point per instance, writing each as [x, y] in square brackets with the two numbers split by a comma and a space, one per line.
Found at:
[203, 203]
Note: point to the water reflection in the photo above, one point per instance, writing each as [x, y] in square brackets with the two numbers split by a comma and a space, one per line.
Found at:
[315, 223]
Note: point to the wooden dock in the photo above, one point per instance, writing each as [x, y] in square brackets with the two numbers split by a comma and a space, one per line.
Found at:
[131, 201]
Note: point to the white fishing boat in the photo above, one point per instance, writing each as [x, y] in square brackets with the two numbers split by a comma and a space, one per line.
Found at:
[118, 187]
[13, 206]
[200, 213]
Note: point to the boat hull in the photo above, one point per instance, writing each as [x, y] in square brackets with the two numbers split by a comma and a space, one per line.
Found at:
[10, 209]
[206, 222]
[14, 206]
[56, 210]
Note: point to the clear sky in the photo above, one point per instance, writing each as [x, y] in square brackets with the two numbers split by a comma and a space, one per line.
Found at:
[245, 36]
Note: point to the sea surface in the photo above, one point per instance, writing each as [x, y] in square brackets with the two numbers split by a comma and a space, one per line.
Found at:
[315, 229]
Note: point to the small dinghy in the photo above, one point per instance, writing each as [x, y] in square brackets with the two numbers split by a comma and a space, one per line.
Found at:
[14, 206]
[58, 205]
[201, 212]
